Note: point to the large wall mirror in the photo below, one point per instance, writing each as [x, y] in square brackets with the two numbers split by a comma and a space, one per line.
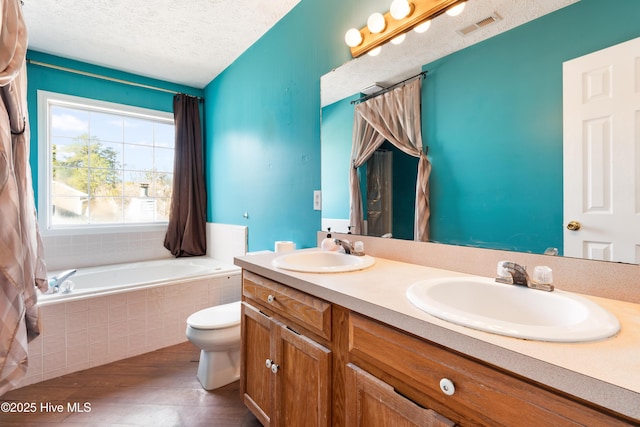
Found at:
[492, 119]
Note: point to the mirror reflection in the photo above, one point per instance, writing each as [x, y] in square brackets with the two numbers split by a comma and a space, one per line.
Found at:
[492, 119]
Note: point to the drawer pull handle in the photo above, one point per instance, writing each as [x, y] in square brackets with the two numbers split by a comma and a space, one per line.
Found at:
[268, 363]
[274, 368]
[447, 387]
[271, 298]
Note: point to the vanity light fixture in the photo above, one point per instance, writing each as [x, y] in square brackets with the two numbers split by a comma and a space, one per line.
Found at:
[403, 16]
[353, 37]
[400, 9]
[376, 23]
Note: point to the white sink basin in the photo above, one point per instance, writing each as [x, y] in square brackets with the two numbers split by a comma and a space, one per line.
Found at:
[516, 311]
[323, 262]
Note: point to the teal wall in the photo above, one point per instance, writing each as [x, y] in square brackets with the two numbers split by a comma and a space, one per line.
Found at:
[263, 123]
[492, 119]
[52, 80]
[337, 129]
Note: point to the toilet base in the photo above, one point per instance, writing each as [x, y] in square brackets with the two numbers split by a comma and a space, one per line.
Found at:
[218, 368]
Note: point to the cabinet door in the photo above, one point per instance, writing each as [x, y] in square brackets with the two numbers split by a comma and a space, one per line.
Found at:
[303, 380]
[372, 402]
[256, 380]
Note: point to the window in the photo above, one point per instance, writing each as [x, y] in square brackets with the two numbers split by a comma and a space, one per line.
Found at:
[102, 164]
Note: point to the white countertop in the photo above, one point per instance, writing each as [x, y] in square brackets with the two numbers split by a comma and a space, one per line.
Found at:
[605, 372]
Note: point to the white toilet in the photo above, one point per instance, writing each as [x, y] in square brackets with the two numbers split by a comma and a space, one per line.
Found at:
[216, 331]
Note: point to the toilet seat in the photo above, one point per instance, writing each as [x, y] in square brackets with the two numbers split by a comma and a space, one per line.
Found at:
[217, 317]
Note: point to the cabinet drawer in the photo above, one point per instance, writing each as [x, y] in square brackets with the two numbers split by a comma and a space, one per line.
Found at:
[483, 395]
[297, 307]
[372, 402]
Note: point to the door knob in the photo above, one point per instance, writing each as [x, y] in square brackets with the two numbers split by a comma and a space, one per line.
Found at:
[574, 226]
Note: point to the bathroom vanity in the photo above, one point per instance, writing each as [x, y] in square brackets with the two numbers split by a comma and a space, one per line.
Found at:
[348, 349]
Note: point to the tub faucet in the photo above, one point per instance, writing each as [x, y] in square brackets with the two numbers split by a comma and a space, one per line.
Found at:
[516, 274]
[56, 281]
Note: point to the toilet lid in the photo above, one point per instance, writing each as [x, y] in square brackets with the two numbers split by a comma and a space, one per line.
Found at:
[218, 317]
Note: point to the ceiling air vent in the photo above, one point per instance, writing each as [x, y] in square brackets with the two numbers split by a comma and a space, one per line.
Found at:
[491, 19]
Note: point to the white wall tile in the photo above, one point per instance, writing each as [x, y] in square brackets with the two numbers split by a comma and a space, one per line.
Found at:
[52, 344]
[55, 363]
[77, 338]
[77, 306]
[117, 329]
[98, 317]
[77, 321]
[225, 241]
[78, 356]
[62, 252]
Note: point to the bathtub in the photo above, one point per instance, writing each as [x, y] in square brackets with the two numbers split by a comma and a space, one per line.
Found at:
[122, 310]
[116, 278]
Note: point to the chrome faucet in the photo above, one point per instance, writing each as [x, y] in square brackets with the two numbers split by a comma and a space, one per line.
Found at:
[346, 245]
[516, 274]
[351, 249]
[56, 281]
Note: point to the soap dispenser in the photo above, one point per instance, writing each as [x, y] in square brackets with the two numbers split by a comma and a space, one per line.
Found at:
[328, 243]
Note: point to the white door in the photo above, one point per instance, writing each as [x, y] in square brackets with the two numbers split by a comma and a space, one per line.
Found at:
[602, 154]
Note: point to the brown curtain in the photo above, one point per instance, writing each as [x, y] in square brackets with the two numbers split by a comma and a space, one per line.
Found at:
[394, 116]
[22, 266]
[186, 234]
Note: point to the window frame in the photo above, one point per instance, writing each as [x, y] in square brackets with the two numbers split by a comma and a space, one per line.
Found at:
[45, 100]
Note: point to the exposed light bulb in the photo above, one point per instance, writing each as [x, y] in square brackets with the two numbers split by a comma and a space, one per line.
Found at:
[375, 51]
[399, 39]
[456, 10]
[353, 37]
[400, 9]
[376, 23]
[421, 28]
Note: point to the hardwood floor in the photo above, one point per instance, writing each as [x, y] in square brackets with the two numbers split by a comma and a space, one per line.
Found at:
[155, 389]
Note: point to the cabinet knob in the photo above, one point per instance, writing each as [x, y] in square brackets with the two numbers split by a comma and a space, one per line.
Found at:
[447, 387]
[274, 368]
[268, 363]
[271, 298]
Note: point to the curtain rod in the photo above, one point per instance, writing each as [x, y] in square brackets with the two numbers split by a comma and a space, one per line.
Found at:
[111, 79]
[390, 88]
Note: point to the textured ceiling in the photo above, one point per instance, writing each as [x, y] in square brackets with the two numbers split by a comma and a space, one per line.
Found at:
[186, 41]
[396, 63]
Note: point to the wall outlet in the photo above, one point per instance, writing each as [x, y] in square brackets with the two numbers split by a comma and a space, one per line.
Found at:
[317, 200]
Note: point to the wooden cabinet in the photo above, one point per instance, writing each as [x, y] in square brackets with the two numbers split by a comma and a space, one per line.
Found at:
[307, 362]
[285, 376]
[464, 390]
[374, 403]
[256, 380]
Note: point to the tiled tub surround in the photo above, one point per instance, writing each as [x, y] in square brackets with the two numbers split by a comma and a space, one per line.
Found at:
[224, 241]
[100, 329]
[89, 250]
